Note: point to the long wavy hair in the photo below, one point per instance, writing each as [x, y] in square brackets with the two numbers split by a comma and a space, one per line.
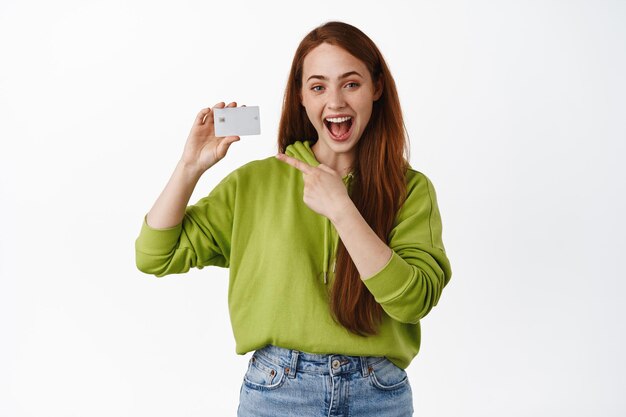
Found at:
[378, 188]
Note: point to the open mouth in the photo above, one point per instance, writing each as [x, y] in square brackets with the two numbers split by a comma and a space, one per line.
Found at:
[339, 128]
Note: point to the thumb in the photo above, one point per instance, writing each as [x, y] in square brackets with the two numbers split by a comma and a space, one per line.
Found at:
[225, 144]
[228, 140]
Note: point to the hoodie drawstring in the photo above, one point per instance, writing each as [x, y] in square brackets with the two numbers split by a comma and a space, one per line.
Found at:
[325, 250]
[333, 244]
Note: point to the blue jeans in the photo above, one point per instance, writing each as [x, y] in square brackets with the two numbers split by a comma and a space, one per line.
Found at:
[286, 382]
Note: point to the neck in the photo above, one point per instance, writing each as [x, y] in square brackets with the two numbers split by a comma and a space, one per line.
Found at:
[340, 162]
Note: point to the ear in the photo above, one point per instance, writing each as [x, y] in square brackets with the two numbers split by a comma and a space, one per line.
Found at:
[378, 88]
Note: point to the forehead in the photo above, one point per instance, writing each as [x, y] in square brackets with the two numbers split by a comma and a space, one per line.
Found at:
[331, 61]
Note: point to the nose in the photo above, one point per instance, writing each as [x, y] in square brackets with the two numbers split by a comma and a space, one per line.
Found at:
[336, 99]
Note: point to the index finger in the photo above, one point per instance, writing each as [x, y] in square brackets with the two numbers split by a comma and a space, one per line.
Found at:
[296, 163]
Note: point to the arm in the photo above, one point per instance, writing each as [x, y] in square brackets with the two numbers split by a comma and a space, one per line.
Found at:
[169, 208]
[202, 237]
[202, 150]
[367, 251]
[164, 229]
[407, 276]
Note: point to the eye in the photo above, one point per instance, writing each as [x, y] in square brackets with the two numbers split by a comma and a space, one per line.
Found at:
[317, 86]
[353, 83]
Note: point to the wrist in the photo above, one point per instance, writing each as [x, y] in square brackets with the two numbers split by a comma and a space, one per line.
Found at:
[344, 211]
[190, 171]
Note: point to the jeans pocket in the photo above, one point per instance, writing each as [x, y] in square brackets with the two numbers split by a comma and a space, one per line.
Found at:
[385, 375]
[263, 374]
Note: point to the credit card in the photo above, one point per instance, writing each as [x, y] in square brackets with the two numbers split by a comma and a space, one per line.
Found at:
[237, 121]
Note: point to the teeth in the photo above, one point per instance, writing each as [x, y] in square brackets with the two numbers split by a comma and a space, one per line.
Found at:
[338, 119]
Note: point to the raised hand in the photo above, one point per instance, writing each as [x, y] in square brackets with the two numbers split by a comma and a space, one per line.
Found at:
[203, 149]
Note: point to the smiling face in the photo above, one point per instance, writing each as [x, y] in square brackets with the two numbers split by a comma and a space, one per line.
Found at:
[338, 94]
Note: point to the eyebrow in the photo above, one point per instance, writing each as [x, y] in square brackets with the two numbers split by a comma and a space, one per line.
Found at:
[347, 74]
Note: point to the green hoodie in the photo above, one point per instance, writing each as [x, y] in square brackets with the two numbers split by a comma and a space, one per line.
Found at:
[281, 259]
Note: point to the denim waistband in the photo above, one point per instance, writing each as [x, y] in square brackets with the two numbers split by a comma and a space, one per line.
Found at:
[293, 361]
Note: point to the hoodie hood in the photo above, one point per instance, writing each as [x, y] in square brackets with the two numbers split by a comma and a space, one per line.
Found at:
[303, 152]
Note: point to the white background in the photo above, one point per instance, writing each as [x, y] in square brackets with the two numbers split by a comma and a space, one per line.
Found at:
[515, 111]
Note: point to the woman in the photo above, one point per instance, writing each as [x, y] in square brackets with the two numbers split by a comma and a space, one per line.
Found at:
[334, 246]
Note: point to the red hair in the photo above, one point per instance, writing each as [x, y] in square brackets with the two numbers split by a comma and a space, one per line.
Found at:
[378, 188]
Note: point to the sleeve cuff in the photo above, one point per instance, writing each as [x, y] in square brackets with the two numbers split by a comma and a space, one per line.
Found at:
[157, 241]
[391, 281]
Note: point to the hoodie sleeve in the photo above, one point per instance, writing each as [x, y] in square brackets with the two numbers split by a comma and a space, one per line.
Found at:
[411, 282]
[202, 238]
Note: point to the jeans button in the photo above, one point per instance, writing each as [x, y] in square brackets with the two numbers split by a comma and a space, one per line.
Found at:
[335, 364]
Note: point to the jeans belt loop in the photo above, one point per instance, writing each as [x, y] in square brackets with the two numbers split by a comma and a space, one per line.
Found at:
[364, 366]
[291, 371]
